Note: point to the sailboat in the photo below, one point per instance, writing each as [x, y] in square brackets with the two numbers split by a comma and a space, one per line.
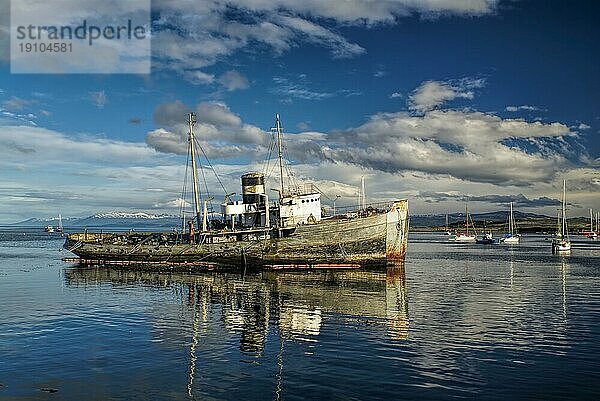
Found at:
[60, 229]
[561, 243]
[466, 236]
[592, 234]
[447, 230]
[511, 237]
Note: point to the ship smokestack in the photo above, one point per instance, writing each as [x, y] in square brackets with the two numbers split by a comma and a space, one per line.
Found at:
[253, 188]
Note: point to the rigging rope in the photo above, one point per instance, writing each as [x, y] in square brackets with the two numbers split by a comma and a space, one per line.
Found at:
[211, 167]
[269, 154]
[184, 192]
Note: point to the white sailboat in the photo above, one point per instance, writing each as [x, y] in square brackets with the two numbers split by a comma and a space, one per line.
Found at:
[448, 232]
[561, 243]
[60, 226]
[593, 234]
[511, 238]
[466, 236]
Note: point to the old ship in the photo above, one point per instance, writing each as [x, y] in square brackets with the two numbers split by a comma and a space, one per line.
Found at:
[291, 232]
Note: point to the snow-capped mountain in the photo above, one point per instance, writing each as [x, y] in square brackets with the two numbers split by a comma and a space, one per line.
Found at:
[126, 215]
[109, 219]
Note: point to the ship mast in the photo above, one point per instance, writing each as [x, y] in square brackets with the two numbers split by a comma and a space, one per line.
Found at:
[192, 122]
[362, 193]
[280, 149]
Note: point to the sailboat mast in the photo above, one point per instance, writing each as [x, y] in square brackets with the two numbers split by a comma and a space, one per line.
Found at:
[467, 219]
[192, 122]
[564, 208]
[591, 221]
[510, 220]
[280, 149]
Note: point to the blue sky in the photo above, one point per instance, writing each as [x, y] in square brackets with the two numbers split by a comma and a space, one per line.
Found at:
[441, 102]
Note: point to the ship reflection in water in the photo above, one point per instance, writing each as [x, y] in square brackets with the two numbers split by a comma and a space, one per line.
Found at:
[266, 309]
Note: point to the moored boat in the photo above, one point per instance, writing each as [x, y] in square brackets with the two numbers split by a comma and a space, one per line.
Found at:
[592, 233]
[561, 244]
[466, 236]
[447, 230]
[486, 239]
[254, 232]
[511, 238]
[60, 228]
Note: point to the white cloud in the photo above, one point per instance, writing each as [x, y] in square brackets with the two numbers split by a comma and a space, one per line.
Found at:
[361, 12]
[218, 114]
[583, 126]
[524, 107]
[208, 32]
[167, 142]
[396, 95]
[198, 77]
[170, 114]
[318, 34]
[233, 80]
[40, 145]
[303, 126]
[99, 99]
[173, 204]
[432, 94]
[16, 103]
[466, 145]
[220, 132]
[298, 90]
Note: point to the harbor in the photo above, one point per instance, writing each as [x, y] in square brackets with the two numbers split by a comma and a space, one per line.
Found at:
[286, 200]
[460, 319]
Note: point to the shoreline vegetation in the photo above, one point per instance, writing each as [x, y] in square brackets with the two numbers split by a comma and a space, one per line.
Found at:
[528, 225]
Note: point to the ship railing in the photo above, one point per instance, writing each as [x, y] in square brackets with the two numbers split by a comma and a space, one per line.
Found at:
[301, 189]
[355, 211]
[87, 236]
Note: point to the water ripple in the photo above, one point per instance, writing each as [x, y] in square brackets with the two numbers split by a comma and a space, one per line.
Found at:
[457, 322]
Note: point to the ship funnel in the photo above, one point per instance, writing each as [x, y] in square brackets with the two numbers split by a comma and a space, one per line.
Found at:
[253, 188]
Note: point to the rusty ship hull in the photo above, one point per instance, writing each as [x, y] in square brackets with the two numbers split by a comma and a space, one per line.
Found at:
[377, 239]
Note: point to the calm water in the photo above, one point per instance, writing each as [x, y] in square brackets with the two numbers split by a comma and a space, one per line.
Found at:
[459, 321]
